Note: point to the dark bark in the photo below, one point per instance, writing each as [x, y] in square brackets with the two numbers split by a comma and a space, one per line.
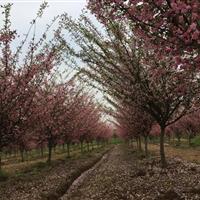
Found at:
[0, 160]
[42, 151]
[179, 140]
[169, 139]
[22, 155]
[63, 146]
[146, 145]
[68, 150]
[162, 148]
[81, 146]
[15, 153]
[92, 145]
[54, 148]
[50, 146]
[88, 146]
[27, 154]
[139, 144]
[190, 139]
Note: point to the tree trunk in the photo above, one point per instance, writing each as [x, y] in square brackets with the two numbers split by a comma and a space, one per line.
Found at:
[92, 145]
[54, 148]
[26, 155]
[0, 161]
[42, 151]
[68, 150]
[169, 139]
[146, 145]
[22, 155]
[63, 146]
[49, 150]
[173, 140]
[132, 143]
[162, 149]
[179, 140]
[190, 139]
[81, 146]
[88, 146]
[139, 144]
[15, 153]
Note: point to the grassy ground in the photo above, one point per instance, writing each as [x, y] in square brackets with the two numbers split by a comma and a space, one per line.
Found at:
[184, 152]
[196, 141]
[17, 167]
[44, 181]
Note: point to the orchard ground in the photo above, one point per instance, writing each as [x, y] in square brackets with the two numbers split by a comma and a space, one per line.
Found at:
[122, 173]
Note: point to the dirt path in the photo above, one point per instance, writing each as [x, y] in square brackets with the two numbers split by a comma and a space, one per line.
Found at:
[121, 176]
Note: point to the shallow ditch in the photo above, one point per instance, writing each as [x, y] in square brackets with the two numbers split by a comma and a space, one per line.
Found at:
[77, 182]
[75, 179]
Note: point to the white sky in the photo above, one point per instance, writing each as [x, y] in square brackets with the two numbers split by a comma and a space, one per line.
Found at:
[23, 11]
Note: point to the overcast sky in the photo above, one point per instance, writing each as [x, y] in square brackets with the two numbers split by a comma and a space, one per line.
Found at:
[23, 11]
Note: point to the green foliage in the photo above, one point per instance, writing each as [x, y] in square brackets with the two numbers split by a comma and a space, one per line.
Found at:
[116, 140]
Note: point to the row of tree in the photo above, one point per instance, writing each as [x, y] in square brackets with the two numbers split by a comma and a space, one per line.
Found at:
[146, 58]
[38, 108]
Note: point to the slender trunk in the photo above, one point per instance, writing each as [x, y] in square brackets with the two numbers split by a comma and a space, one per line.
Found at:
[146, 145]
[132, 143]
[15, 153]
[68, 150]
[173, 140]
[190, 139]
[42, 151]
[88, 146]
[49, 150]
[63, 146]
[162, 149]
[0, 160]
[169, 139]
[81, 146]
[22, 155]
[179, 140]
[139, 143]
[26, 155]
[92, 145]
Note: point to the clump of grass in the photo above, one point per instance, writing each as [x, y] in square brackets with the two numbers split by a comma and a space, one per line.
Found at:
[196, 141]
[3, 176]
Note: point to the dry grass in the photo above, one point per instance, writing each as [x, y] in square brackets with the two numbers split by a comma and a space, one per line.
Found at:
[189, 154]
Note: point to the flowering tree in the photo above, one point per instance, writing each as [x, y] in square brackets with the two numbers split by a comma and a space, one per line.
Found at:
[167, 26]
[21, 78]
[134, 123]
[186, 126]
[130, 72]
[36, 107]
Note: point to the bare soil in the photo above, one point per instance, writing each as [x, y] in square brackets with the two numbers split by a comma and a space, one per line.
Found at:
[124, 176]
[48, 182]
[121, 174]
